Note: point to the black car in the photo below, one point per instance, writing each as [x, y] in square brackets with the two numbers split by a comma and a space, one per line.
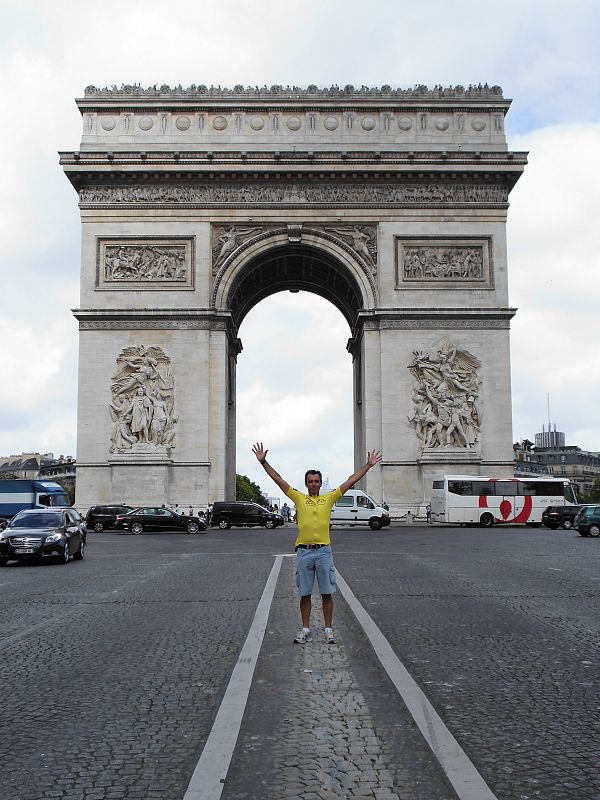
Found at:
[239, 512]
[41, 533]
[560, 516]
[151, 518]
[587, 521]
[100, 517]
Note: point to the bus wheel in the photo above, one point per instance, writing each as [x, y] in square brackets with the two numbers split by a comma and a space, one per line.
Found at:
[486, 521]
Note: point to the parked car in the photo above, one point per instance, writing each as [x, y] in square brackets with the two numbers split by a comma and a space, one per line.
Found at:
[587, 522]
[150, 518]
[240, 512]
[100, 517]
[357, 508]
[560, 516]
[42, 533]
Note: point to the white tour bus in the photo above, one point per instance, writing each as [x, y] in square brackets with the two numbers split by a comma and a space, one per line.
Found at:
[474, 499]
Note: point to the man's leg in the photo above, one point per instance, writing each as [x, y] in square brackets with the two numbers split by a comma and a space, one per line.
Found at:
[327, 600]
[305, 608]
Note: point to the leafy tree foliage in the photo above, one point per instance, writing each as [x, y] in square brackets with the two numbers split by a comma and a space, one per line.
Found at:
[593, 496]
[245, 489]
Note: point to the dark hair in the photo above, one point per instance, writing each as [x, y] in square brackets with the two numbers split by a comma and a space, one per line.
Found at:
[312, 472]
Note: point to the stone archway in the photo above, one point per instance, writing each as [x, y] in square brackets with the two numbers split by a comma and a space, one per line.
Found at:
[197, 203]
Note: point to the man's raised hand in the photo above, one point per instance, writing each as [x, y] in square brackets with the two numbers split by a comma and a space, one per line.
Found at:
[259, 451]
[374, 457]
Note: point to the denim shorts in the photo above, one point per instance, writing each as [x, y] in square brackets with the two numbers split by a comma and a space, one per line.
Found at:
[315, 562]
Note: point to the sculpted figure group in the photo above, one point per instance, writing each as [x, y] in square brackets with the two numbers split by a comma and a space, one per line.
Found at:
[445, 412]
[443, 263]
[142, 406]
[144, 263]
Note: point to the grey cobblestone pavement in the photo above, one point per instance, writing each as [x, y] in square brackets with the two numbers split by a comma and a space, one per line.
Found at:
[325, 720]
[114, 667]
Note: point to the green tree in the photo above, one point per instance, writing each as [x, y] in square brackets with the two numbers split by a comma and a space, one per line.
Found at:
[593, 496]
[245, 489]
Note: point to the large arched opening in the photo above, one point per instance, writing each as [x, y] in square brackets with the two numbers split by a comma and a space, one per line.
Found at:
[300, 268]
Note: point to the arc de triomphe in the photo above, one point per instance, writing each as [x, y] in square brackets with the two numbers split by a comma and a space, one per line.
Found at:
[198, 203]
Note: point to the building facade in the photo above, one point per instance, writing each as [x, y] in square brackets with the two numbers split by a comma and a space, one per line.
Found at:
[198, 203]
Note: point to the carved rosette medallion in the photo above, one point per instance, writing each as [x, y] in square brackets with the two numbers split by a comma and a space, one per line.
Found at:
[445, 413]
[443, 263]
[143, 402]
[145, 263]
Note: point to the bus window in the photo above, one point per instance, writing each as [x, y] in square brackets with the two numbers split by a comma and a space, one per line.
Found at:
[483, 487]
[438, 485]
[507, 488]
[460, 487]
[570, 495]
[541, 488]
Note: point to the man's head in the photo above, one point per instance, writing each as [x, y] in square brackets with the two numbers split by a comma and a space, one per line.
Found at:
[313, 481]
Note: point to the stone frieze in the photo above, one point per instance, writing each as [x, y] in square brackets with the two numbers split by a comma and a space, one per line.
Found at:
[232, 194]
[152, 263]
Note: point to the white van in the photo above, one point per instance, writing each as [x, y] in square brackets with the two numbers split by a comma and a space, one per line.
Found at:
[357, 508]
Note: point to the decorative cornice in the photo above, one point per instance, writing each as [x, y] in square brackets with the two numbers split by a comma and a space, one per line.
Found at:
[283, 93]
[436, 319]
[148, 319]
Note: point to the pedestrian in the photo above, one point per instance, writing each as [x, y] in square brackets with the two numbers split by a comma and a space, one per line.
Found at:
[285, 512]
[313, 546]
[428, 513]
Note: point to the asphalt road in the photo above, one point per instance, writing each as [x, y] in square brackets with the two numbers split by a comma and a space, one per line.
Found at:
[114, 668]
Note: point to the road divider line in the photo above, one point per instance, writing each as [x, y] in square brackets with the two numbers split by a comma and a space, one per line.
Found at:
[461, 772]
[211, 770]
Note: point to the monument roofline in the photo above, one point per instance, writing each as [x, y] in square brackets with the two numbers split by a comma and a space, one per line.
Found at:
[239, 95]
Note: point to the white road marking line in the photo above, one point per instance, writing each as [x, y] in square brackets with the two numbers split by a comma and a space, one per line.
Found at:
[211, 770]
[461, 772]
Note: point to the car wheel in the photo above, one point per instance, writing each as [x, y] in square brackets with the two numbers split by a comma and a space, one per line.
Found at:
[98, 527]
[269, 523]
[375, 524]
[66, 554]
[594, 530]
[192, 527]
[224, 524]
[137, 528]
[567, 524]
[486, 521]
[80, 553]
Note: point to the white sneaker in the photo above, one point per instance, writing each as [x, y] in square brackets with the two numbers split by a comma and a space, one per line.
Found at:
[329, 637]
[304, 636]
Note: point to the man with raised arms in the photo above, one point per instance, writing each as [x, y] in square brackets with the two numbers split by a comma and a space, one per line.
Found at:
[313, 548]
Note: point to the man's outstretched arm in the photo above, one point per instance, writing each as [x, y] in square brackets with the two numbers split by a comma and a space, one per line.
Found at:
[374, 457]
[261, 454]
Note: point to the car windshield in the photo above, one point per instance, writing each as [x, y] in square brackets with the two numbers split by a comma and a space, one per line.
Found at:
[48, 520]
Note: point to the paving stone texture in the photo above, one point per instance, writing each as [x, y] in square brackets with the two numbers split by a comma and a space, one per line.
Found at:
[114, 667]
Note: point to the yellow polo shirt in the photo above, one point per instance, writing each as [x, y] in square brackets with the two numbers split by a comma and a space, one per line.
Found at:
[313, 515]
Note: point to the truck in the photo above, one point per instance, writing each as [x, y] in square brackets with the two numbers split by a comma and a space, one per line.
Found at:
[19, 494]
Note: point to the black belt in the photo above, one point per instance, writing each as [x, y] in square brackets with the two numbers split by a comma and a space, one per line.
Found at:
[310, 546]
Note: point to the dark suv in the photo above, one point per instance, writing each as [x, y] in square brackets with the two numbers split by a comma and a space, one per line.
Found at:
[239, 512]
[100, 517]
[560, 516]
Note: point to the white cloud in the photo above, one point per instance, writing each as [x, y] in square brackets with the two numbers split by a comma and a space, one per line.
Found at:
[543, 53]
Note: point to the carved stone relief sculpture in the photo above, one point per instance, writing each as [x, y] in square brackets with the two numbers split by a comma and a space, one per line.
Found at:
[445, 413]
[149, 263]
[143, 399]
[227, 239]
[434, 263]
[362, 239]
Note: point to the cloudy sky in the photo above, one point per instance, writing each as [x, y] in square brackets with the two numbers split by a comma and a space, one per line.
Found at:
[543, 53]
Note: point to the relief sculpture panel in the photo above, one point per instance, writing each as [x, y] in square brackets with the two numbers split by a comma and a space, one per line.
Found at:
[144, 263]
[142, 407]
[445, 412]
[434, 263]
